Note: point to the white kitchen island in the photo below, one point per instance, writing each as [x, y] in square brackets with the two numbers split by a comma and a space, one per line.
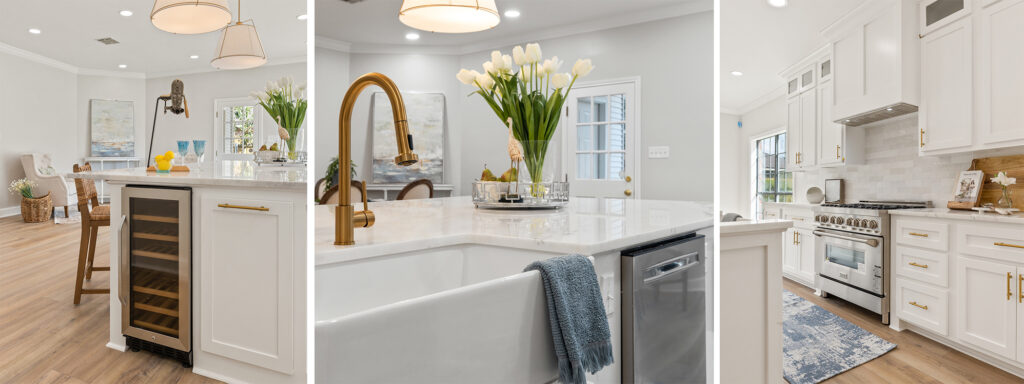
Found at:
[248, 266]
[437, 280]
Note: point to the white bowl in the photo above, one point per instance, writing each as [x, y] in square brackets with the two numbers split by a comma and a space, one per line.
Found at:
[815, 195]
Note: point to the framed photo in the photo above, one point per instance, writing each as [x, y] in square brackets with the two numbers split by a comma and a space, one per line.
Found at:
[968, 187]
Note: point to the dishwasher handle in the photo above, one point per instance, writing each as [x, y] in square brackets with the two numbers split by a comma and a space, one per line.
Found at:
[671, 267]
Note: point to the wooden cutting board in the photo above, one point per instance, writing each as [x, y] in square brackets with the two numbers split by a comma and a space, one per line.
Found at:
[1013, 166]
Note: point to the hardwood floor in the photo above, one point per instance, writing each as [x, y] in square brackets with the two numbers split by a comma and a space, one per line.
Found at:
[916, 358]
[44, 338]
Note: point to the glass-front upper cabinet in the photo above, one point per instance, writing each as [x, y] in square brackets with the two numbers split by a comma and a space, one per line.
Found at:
[935, 14]
[803, 81]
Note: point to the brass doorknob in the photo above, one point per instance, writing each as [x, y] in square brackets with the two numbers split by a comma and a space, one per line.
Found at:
[628, 192]
[628, 179]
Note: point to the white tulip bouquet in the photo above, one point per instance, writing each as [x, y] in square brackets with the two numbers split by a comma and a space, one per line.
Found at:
[286, 104]
[530, 91]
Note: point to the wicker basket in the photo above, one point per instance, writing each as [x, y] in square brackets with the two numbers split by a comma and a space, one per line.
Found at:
[36, 210]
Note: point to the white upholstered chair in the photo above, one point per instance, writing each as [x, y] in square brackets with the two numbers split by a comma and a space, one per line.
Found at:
[39, 169]
[419, 189]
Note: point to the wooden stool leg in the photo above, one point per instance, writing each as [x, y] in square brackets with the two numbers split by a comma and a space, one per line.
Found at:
[93, 232]
[83, 250]
[66, 212]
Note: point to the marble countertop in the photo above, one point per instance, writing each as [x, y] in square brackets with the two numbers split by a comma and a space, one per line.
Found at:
[946, 213]
[740, 227]
[223, 173]
[585, 226]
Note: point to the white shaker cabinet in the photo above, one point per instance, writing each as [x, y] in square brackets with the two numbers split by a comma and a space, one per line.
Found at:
[250, 270]
[946, 88]
[798, 245]
[987, 305]
[801, 130]
[1000, 81]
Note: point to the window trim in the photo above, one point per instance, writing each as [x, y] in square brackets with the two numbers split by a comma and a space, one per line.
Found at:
[752, 168]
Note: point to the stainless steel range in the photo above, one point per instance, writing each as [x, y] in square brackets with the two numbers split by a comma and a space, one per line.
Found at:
[853, 244]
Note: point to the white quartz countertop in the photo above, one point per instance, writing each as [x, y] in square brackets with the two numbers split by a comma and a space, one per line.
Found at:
[738, 227]
[946, 213]
[222, 173]
[586, 226]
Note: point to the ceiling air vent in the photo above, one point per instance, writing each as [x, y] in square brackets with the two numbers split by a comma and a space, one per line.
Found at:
[108, 41]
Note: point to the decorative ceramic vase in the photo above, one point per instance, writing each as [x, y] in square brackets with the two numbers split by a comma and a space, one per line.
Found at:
[36, 209]
[1005, 201]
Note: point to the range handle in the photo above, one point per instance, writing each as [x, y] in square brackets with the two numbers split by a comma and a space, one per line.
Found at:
[870, 242]
[671, 267]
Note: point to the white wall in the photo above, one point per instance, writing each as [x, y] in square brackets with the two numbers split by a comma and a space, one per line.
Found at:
[768, 118]
[673, 58]
[729, 182]
[332, 75]
[201, 89]
[37, 105]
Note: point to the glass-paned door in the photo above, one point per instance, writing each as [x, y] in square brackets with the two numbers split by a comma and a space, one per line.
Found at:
[773, 182]
[600, 126]
[238, 129]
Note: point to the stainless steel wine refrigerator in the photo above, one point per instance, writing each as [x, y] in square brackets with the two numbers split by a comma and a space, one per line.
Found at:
[156, 269]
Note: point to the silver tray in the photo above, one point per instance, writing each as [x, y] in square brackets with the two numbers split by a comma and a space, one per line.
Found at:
[547, 195]
[547, 205]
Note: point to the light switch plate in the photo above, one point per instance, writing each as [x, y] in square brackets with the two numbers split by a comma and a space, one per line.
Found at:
[657, 152]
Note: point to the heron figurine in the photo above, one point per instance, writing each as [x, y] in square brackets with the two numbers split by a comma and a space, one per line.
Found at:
[515, 154]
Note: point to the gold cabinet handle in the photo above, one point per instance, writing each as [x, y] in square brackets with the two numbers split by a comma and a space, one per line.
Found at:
[922, 137]
[925, 266]
[918, 234]
[262, 209]
[914, 303]
[628, 192]
[837, 151]
[1009, 294]
[1020, 296]
[797, 237]
[1008, 245]
[628, 179]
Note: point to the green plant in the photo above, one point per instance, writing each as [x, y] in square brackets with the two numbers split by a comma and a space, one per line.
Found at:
[332, 171]
[286, 104]
[22, 187]
[530, 99]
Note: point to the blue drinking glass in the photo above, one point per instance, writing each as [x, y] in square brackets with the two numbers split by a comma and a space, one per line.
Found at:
[182, 148]
[200, 147]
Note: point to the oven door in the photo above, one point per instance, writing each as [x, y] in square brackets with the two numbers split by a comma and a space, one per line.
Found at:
[852, 259]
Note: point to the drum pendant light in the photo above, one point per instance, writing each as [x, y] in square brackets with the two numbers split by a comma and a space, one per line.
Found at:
[239, 46]
[190, 16]
[449, 16]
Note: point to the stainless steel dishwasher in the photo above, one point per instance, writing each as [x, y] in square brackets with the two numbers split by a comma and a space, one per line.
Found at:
[663, 312]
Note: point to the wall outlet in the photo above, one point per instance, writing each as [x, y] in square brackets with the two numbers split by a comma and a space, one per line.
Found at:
[658, 152]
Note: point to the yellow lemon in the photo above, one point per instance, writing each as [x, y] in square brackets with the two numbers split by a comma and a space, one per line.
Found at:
[159, 158]
[169, 155]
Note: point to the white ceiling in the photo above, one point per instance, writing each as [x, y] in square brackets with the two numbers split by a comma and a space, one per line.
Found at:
[375, 22]
[70, 29]
[762, 41]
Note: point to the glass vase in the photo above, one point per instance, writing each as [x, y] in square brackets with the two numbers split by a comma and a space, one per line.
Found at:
[1005, 201]
[294, 143]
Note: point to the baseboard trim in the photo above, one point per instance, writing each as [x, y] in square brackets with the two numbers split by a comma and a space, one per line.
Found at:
[10, 211]
[117, 347]
[215, 376]
[967, 350]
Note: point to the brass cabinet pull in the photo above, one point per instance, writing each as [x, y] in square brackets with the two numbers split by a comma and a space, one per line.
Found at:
[797, 237]
[1009, 294]
[1020, 296]
[1001, 244]
[262, 209]
[918, 234]
[837, 151]
[925, 266]
[628, 192]
[914, 303]
[922, 137]
[794, 237]
[797, 218]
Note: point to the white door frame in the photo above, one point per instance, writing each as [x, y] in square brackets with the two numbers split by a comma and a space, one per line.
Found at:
[752, 166]
[218, 122]
[637, 142]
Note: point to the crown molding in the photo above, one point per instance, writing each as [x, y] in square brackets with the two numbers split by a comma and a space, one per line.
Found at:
[761, 101]
[729, 111]
[105, 73]
[270, 63]
[37, 58]
[545, 34]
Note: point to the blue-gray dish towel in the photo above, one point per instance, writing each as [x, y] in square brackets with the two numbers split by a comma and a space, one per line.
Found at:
[579, 325]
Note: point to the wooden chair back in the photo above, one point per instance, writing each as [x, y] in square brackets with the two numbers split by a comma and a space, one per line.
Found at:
[331, 195]
[419, 189]
[86, 190]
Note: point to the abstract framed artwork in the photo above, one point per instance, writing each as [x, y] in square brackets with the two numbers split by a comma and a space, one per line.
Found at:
[426, 115]
[112, 126]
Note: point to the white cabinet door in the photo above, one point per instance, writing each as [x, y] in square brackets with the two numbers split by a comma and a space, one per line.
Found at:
[805, 238]
[987, 305]
[793, 132]
[247, 281]
[791, 254]
[808, 124]
[934, 14]
[848, 64]
[1001, 80]
[946, 110]
[830, 134]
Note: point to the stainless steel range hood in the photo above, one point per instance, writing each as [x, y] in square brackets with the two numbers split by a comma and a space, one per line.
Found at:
[886, 112]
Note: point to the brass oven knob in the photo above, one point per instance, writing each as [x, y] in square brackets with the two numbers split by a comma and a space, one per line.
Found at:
[873, 224]
[849, 221]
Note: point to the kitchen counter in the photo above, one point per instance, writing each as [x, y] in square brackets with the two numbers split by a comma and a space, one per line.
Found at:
[742, 227]
[946, 213]
[585, 226]
[223, 173]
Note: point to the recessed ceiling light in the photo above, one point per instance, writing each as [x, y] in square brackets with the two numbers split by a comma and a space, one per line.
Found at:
[736, 73]
[889, 109]
[302, 17]
[512, 13]
[412, 36]
[193, 57]
[122, 66]
[778, 3]
[125, 13]
[34, 31]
